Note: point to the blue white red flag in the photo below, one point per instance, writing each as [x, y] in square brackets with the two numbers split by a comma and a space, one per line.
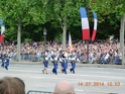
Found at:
[2, 33]
[85, 24]
[2, 29]
[95, 26]
[1, 38]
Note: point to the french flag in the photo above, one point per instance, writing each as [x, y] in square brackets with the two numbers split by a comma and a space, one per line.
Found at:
[95, 26]
[2, 29]
[2, 33]
[85, 24]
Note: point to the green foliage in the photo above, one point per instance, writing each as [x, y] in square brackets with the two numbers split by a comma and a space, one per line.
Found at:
[52, 14]
[10, 34]
[109, 14]
[25, 10]
[27, 40]
[58, 38]
[107, 7]
[0, 13]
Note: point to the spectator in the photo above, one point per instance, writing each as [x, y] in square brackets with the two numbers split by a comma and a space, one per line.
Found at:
[12, 85]
[64, 87]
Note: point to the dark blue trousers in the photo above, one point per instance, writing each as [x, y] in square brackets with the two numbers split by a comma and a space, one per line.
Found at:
[45, 64]
[73, 64]
[6, 65]
[2, 65]
[65, 67]
[55, 64]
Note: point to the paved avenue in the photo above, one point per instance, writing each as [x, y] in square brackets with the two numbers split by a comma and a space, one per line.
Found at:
[87, 80]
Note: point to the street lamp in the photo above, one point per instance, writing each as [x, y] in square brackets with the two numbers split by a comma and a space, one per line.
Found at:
[44, 33]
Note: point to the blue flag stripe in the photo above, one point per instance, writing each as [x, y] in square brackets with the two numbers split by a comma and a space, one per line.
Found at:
[83, 12]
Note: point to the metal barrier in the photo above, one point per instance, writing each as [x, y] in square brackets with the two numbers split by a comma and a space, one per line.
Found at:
[38, 92]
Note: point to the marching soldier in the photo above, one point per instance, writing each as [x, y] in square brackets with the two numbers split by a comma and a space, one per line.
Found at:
[65, 62]
[61, 59]
[73, 62]
[55, 57]
[3, 60]
[7, 62]
[65, 65]
[45, 62]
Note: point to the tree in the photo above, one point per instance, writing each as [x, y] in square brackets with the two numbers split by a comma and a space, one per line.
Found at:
[18, 12]
[0, 14]
[116, 7]
[63, 11]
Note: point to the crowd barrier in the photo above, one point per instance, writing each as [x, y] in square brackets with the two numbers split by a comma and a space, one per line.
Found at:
[38, 92]
[38, 58]
[46, 92]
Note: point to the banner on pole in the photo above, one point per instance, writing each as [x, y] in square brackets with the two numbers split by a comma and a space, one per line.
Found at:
[85, 24]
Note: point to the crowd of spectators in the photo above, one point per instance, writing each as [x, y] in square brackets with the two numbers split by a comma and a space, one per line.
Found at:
[101, 51]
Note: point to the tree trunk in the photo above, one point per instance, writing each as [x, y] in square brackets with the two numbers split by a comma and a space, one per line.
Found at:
[121, 35]
[19, 41]
[122, 38]
[64, 28]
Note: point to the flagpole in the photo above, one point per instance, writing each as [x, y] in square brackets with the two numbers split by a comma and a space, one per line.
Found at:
[88, 40]
[87, 51]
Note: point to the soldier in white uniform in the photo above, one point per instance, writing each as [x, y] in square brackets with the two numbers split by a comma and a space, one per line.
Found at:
[72, 58]
[55, 58]
[45, 62]
[7, 62]
[65, 62]
[3, 60]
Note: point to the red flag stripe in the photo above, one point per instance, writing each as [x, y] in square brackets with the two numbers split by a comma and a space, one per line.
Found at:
[85, 34]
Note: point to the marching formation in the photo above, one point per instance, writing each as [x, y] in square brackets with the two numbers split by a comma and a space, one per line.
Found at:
[56, 57]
